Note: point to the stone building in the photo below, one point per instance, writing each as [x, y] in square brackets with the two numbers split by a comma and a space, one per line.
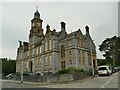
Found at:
[54, 50]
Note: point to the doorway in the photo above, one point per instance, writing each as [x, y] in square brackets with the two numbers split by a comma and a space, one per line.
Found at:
[31, 66]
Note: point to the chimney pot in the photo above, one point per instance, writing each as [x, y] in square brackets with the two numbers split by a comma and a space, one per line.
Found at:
[48, 27]
[87, 30]
[20, 43]
[63, 26]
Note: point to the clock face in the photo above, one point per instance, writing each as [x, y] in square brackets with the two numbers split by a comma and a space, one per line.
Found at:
[38, 24]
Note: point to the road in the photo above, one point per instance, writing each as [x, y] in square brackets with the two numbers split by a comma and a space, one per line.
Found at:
[96, 82]
[16, 84]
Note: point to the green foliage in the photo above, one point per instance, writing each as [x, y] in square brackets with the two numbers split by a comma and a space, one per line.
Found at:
[8, 66]
[25, 73]
[70, 70]
[111, 49]
[107, 61]
[117, 62]
[101, 62]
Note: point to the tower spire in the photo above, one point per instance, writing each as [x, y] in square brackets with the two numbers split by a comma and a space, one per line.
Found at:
[37, 14]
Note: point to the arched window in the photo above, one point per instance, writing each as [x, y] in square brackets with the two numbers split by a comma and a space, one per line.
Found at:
[50, 44]
[45, 60]
[39, 60]
[62, 51]
[83, 57]
[79, 54]
[40, 49]
[37, 50]
[62, 64]
[49, 60]
[69, 43]
[46, 46]
[70, 53]
[30, 51]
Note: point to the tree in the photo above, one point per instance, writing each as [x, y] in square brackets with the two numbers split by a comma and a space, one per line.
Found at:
[101, 62]
[8, 66]
[111, 49]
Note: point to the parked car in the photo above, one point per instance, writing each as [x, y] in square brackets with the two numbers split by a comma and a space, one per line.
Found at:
[113, 70]
[10, 75]
[104, 70]
[116, 69]
[119, 68]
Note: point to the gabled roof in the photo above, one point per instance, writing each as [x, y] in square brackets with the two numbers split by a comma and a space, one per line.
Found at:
[58, 33]
[61, 35]
[75, 33]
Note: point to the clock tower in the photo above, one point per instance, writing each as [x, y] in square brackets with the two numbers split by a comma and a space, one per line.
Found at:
[36, 32]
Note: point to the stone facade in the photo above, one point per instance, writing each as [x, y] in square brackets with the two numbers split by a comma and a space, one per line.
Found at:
[54, 50]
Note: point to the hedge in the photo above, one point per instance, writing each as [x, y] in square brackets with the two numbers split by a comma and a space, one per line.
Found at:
[70, 70]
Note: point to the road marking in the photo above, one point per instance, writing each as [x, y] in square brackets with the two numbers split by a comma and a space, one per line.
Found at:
[107, 82]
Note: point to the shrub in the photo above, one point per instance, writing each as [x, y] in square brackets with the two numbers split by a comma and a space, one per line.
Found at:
[25, 73]
[70, 70]
[63, 71]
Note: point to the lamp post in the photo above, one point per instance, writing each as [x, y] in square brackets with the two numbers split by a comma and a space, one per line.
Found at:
[91, 58]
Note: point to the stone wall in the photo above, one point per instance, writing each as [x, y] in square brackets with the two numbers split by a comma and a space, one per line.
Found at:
[53, 78]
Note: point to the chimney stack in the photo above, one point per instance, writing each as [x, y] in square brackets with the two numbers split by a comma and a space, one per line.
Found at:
[25, 43]
[87, 30]
[63, 26]
[20, 43]
[48, 27]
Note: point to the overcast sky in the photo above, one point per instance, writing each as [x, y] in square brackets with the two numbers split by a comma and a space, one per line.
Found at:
[102, 18]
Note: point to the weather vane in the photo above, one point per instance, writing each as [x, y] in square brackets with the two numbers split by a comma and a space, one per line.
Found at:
[37, 8]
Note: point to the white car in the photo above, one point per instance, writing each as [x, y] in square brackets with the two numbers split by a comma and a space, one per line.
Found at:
[104, 70]
[10, 75]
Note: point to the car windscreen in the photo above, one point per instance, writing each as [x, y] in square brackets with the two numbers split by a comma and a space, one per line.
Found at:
[102, 68]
